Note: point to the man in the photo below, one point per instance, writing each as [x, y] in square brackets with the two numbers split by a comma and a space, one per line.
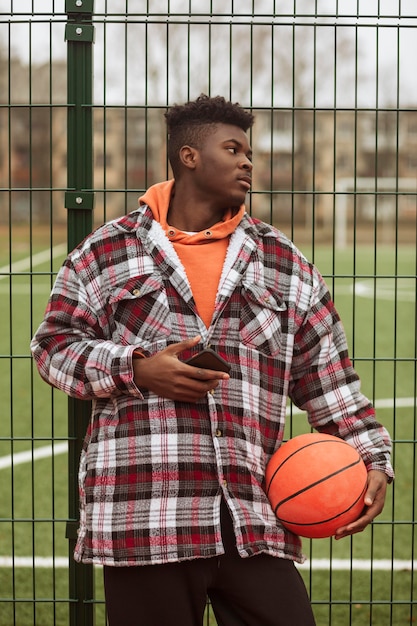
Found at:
[171, 475]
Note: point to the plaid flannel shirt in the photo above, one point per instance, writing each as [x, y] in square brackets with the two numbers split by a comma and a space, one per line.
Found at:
[153, 471]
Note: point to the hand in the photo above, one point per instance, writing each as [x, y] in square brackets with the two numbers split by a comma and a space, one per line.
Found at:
[165, 375]
[374, 503]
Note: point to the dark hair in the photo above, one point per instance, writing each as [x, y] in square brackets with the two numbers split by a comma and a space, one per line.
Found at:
[190, 123]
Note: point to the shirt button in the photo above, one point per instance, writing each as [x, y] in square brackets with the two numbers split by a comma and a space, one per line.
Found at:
[219, 433]
[136, 292]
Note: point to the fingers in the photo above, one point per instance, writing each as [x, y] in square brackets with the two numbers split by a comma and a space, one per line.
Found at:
[166, 375]
[177, 348]
[193, 389]
[374, 503]
[377, 486]
[356, 527]
[207, 375]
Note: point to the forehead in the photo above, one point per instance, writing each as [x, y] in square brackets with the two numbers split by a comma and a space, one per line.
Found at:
[228, 132]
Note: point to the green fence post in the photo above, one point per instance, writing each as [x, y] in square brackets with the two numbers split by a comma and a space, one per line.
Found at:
[79, 201]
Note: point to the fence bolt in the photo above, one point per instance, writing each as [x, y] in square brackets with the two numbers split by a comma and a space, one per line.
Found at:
[78, 200]
[79, 31]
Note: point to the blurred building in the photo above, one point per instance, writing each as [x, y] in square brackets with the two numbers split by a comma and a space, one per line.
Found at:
[311, 167]
[362, 164]
[129, 147]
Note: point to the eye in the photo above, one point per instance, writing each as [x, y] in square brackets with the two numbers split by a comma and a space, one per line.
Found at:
[232, 149]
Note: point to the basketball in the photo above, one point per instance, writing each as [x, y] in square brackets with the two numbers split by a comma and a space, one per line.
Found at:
[316, 483]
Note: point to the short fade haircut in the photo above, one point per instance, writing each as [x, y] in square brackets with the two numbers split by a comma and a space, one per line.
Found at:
[190, 123]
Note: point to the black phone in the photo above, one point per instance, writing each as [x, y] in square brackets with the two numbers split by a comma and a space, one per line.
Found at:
[210, 360]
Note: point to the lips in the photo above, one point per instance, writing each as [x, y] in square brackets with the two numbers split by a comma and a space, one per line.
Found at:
[246, 180]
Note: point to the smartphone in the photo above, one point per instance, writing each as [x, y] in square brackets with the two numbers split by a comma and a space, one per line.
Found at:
[210, 360]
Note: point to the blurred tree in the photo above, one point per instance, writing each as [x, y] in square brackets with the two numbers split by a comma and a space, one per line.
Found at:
[259, 60]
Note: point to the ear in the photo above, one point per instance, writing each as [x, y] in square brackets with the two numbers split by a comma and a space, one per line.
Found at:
[188, 157]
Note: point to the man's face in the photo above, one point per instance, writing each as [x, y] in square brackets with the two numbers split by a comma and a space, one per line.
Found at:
[224, 169]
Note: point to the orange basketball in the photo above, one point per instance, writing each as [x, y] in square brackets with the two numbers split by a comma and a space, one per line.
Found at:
[316, 484]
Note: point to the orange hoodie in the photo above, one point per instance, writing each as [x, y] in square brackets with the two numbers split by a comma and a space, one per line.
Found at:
[203, 263]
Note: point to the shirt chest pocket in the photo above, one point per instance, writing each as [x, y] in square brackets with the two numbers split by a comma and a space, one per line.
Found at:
[261, 319]
[140, 311]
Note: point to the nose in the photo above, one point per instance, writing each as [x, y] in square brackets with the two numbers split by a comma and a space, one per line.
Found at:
[247, 164]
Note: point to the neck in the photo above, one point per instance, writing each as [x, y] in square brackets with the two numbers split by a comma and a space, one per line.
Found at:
[189, 212]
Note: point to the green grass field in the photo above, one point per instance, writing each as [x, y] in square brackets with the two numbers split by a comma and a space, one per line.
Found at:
[375, 295]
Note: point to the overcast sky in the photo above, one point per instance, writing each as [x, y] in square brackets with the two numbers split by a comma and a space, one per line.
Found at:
[387, 43]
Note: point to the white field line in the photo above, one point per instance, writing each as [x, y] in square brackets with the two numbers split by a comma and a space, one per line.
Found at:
[360, 564]
[36, 259]
[59, 448]
[384, 565]
[315, 564]
[33, 455]
[399, 289]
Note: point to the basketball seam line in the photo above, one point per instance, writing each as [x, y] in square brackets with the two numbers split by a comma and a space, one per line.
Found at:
[325, 521]
[307, 445]
[293, 495]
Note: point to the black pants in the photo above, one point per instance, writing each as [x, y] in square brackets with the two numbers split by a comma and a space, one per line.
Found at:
[258, 591]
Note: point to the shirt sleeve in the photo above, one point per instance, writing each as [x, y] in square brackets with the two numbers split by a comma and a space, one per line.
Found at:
[72, 346]
[326, 386]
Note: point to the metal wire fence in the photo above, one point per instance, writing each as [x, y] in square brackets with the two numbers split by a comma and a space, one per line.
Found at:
[83, 89]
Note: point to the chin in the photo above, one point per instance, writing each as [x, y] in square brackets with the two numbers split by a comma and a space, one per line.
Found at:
[238, 201]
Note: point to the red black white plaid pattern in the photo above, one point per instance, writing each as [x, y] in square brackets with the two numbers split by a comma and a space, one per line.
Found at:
[153, 471]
